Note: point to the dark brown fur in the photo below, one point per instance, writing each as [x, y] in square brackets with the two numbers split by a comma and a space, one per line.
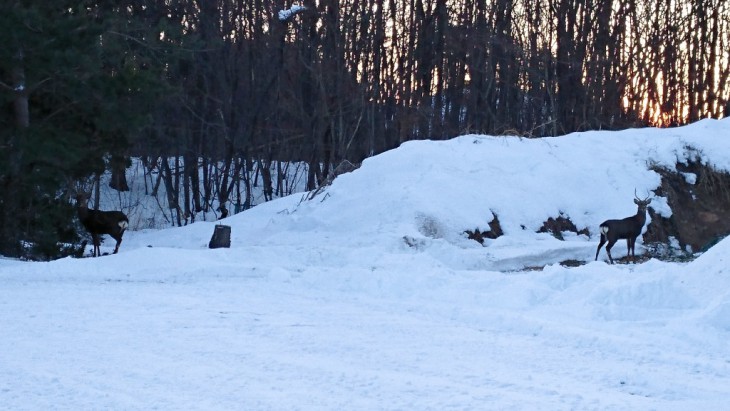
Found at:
[628, 228]
[98, 223]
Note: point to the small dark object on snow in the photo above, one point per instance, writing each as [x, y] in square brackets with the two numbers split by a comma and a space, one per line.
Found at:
[221, 237]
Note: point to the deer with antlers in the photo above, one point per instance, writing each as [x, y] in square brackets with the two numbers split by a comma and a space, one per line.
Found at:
[628, 228]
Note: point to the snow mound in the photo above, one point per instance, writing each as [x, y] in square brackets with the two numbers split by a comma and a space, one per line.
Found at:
[430, 192]
[709, 277]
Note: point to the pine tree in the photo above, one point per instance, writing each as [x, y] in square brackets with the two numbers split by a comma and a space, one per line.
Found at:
[71, 96]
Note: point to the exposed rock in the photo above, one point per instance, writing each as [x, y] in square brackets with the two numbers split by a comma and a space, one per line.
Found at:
[699, 197]
[556, 227]
[495, 230]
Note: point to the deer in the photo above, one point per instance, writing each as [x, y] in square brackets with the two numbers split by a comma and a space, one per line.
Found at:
[98, 223]
[628, 228]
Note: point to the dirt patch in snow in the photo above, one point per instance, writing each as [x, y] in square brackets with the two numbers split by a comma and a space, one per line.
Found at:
[699, 196]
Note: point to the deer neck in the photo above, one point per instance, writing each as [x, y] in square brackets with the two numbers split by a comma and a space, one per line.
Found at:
[83, 211]
[641, 215]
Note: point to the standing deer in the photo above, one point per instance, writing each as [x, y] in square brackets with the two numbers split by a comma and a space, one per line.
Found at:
[628, 228]
[98, 222]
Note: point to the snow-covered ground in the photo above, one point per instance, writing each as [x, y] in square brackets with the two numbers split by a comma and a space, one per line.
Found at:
[370, 296]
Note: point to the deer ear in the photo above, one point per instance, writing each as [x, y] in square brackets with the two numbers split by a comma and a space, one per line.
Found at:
[636, 201]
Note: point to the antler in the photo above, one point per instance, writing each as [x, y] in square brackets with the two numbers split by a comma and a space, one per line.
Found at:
[648, 194]
[76, 187]
[71, 188]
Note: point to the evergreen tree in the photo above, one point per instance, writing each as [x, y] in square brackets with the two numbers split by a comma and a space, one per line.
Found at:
[71, 96]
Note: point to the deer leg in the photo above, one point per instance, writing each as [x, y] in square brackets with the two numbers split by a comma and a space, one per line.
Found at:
[632, 246]
[628, 248]
[598, 250]
[119, 241]
[95, 240]
[608, 250]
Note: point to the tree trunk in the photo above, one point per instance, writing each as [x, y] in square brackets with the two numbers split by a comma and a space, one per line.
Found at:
[118, 165]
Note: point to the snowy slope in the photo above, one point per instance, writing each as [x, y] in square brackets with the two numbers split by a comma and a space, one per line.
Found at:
[371, 297]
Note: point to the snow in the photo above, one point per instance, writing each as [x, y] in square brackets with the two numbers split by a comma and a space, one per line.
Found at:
[287, 14]
[370, 296]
